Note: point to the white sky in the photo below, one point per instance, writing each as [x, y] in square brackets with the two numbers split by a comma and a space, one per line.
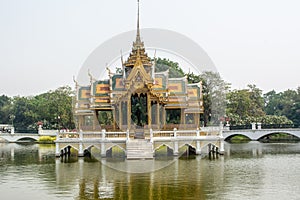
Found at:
[43, 43]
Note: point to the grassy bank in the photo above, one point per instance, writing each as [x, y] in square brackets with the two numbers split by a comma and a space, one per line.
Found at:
[46, 140]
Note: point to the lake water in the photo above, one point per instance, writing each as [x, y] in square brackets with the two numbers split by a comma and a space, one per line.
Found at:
[247, 171]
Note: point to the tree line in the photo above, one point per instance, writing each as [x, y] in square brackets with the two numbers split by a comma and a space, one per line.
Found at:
[53, 109]
[237, 107]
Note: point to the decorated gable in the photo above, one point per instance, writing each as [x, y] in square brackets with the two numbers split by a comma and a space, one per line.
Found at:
[193, 92]
[84, 93]
[117, 82]
[177, 86]
[160, 82]
[101, 88]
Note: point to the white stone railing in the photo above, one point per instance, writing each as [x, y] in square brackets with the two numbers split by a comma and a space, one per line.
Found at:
[92, 135]
[206, 131]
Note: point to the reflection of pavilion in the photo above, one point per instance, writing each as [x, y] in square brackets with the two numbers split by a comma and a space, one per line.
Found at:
[97, 181]
[138, 97]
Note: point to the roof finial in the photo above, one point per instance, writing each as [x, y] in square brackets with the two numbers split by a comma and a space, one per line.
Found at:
[138, 36]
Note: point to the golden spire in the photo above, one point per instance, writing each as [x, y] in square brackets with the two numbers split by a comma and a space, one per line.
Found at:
[138, 42]
[138, 49]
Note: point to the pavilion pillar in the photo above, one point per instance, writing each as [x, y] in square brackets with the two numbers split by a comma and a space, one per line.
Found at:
[129, 112]
[114, 118]
[164, 116]
[157, 115]
[182, 117]
[120, 115]
[95, 119]
[197, 118]
[149, 110]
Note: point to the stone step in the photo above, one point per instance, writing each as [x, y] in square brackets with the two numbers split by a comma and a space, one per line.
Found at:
[139, 149]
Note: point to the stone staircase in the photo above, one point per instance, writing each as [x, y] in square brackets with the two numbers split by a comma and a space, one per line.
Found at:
[139, 134]
[139, 149]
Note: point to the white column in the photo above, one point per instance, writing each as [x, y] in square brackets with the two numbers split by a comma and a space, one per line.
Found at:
[221, 150]
[175, 132]
[151, 135]
[40, 129]
[80, 151]
[198, 144]
[221, 129]
[176, 151]
[127, 135]
[103, 134]
[57, 152]
[259, 126]
[103, 152]
[198, 147]
[253, 124]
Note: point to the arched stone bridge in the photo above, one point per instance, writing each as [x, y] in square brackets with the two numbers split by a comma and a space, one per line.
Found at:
[260, 133]
[19, 137]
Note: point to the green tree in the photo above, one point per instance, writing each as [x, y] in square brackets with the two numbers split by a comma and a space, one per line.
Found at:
[245, 106]
[53, 108]
[286, 103]
[165, 64]
[56, 107]
[25, 113]
[214, 96]
[257, 101]
[5, 109]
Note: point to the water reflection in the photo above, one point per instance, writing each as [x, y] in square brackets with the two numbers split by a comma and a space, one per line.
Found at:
[100, 182]
[247, 171]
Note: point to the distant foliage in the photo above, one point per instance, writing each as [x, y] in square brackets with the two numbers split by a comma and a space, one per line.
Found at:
[53, 109]
[5, 110]
[165, 64]
[250, 105]
[285, 103]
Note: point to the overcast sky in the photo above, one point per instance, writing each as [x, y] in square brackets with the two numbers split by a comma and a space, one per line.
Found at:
[43, 43]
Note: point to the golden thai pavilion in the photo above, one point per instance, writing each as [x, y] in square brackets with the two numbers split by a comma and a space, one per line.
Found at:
[138, 97]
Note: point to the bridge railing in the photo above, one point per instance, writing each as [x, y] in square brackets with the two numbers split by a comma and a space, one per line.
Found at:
[67, 135]
[277, 126]
[206, 131]
[262, 126]
[92, 135]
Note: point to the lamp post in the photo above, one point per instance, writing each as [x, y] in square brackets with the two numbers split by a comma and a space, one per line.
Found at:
[12, 117]
[58, 120]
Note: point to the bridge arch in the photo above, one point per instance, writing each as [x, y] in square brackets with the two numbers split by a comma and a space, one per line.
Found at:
[258, 134]
[186, 144]
[69, 145]
[166, 150]
[91, 146]
[16, 138]
[278, 132]
[26, 138]
[109, 151]
[115, 145]
[237, 134]
[190, 150]
[164, 144]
